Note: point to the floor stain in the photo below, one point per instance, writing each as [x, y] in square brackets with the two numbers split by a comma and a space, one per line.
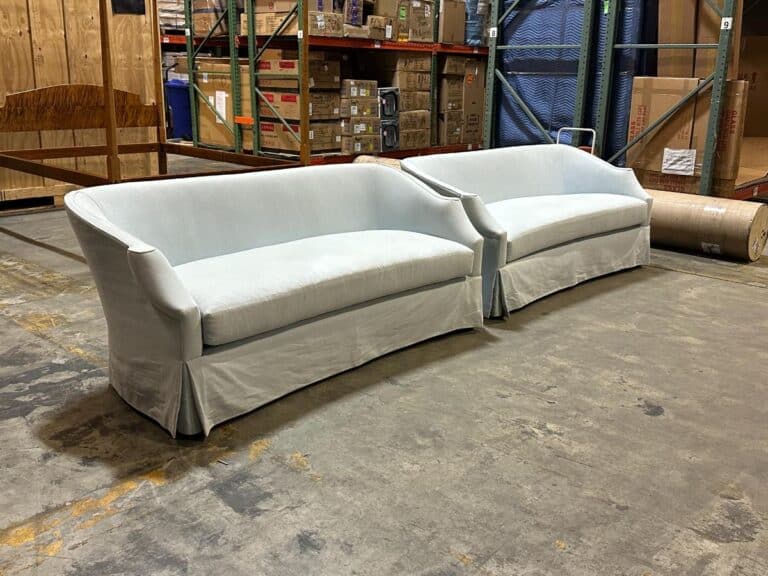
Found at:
[651, 408]
[309, 541]
[731, 521]
[258, 448]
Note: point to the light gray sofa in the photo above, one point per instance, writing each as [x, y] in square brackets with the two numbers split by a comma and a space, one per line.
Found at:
[224, 293]
[552, 216]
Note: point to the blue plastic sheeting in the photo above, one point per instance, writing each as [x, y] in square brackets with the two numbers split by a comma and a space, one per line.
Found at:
[624, 66]
[545, 79]
[474, 28]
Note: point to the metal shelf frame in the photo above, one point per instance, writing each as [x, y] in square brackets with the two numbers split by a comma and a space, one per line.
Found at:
[612, 9]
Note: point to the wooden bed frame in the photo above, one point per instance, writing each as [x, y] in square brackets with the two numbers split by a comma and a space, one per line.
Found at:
[83, 106]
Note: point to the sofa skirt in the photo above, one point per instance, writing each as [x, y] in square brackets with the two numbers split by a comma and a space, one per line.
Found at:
[231, 380]
[521, 282]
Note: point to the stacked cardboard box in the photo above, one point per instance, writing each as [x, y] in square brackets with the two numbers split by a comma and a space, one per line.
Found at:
[671, 157]
[360, 121]
[270, 15]
[171, 14]
[205, 14]
[451, 22]
[412, 20]
[461, 101]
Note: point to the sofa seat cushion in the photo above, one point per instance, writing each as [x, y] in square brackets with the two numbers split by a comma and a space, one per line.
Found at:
[537, 223]
[251, 292]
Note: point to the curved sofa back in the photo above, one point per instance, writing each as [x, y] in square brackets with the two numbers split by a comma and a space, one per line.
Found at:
[194, 218]
[495, 174]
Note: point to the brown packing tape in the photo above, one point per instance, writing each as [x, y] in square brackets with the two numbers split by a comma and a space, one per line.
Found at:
[718, 226]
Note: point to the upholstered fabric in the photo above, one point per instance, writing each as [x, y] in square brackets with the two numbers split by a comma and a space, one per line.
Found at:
[540, 222]
[247, 293]
[160, 253]
[526, 200]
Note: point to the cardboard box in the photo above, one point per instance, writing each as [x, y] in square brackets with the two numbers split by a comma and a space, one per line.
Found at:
[450, 126]
[205, 13]
[408, 80]
[708, 32]
[413, 139]
[326, 24]
[451, 22]
[454, 66]
[473, 100]
[677, 25]
[406, 61]
[322, 105]
[677, 146]
[399, 11]
[359, 107]
[351, 31]
[415, 100]
[451, 93]
[273, 6]
[754, 69]
[353, 12]
[359, 88]
[380, 27]
[362, 144]
[415, 120]
[323, 136]
[651, 97]
[360, 125]
[421, 22]
[323, 74]
[267, 23]
[730, 131]
[683, 184]
[215, 82]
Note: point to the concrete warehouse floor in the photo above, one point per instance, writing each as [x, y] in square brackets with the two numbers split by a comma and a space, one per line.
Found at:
[617, 428]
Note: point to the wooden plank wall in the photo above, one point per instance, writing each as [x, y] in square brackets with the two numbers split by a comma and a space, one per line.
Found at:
[50, 42]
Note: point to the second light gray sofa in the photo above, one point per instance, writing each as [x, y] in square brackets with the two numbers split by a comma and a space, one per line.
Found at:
[552, 216]
[224, 293]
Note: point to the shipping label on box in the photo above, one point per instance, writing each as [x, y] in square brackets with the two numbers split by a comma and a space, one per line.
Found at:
[327, 24]
[421, 23]
[359, 88]
[359, 107]
[361, 144]
[415, 100]
[410, 80]
[413, 139]
[415, 120]
[452, 20]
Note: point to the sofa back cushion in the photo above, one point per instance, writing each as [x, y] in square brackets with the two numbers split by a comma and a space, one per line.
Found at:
[496, 174]
[193, 218]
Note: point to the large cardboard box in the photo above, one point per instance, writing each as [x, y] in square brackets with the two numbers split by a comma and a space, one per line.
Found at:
[454, 65]
[754, 69]
[408, 80]
[415, 100]
[273, 6]
[413, 139]
[708, 25]
[267, 23]
[677, 25]
[407, 61]
[205, 13]
[380, 27]
[322, 105]
[651, 97]
[215, 82]
[421, 21]
[399, 11]
[360, 125]
[451, 93]
[415, 120]
[323, 136]
[451, 22]
[323, 74]
[326, 24]
[361, 144]
[473, 100]
[359, 107]
[684, 184]
[359, 88]
[677, 147]
[451, 127]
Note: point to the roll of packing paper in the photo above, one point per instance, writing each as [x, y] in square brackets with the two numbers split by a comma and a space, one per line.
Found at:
[717, 226]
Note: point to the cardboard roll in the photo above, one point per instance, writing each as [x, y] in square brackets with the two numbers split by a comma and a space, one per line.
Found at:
[717, 226]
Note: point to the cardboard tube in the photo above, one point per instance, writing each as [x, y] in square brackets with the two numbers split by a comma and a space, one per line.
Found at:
[718, 226]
